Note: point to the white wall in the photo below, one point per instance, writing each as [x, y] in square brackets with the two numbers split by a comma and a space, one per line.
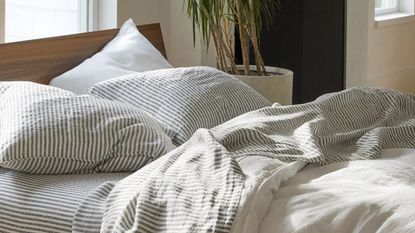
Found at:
[176, 28]
[2, 15]
[106, 14]
[142, 11]
[378, 56]
[181, 49]
[391, 56]
[356, 42]
[145, 12]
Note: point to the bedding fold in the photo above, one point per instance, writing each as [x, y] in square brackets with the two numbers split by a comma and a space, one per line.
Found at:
[199, 187]
[357, 196]
[196, 186]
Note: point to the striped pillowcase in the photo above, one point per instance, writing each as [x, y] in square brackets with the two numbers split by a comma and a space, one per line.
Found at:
[47, 130]
[186, 99]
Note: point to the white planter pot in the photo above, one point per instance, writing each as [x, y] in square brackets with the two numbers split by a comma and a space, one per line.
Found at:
[276, 87]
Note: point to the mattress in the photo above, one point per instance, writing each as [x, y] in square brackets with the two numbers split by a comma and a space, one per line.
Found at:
[358, 196]
[44, 203]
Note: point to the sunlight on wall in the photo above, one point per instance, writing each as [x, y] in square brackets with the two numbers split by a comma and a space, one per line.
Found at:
[378, 56]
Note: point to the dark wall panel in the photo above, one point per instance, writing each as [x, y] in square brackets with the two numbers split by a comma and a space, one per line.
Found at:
[308, 38]
[323, 48]
[282, 44]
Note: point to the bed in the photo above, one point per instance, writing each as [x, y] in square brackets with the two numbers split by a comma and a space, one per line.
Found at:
[38, 203]
[42, 60]
[248, 167]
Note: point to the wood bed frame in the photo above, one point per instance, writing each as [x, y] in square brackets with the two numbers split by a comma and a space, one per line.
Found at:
[42, 60]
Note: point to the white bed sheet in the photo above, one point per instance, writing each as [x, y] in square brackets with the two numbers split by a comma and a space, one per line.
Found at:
[358, 196]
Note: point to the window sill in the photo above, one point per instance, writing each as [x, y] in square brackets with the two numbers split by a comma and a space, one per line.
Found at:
[393, 19]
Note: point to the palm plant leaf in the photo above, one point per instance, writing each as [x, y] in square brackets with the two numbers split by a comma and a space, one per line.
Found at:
[215, 20]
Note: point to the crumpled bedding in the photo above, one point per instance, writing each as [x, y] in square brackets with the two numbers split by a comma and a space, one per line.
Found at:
[357, 196]
[201, 186]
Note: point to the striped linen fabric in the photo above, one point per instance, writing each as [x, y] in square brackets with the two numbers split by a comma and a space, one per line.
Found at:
[350, 125]
[47, 130]
[197, 187]
[186, 99]
[45, 203]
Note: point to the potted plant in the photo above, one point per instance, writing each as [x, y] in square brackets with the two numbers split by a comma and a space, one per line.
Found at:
[217, 21]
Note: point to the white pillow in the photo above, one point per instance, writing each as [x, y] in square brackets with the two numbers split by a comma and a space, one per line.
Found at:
[129, 52]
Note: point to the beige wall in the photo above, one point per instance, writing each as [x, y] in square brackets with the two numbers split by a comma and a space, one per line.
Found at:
[183, 52]
[176, 27]
[107, 14]
[378, 56]
[142, 11]
[180, 41]
[356, 42]
[391, 56]
[2, 15]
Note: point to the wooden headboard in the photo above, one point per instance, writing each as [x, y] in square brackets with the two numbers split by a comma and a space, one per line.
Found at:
[42, 60]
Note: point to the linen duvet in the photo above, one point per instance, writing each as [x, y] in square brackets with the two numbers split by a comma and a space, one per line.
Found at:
[357, 196]
[201, 186]
[223, 179]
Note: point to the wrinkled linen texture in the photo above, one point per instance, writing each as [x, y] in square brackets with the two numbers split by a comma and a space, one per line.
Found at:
[47, 130]
[350, 125]
[196, 188]
[193, 189]
[185, 99]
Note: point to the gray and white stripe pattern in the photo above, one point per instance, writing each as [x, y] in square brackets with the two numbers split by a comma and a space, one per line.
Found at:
[46, 130]
[196, 188]
[186, 99]
[44, 203]
[350, 125]
[88, 218]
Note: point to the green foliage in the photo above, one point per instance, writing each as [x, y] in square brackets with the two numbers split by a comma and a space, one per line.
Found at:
[215, 19]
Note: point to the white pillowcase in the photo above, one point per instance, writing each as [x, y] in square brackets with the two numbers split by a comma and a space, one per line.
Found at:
[129, 52]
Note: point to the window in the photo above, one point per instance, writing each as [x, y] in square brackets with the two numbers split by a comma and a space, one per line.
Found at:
[390, 12]
[386, 6]
[32, 19]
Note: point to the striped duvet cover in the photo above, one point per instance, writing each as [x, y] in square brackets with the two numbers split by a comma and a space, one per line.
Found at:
[202, 186]
[205, 185]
